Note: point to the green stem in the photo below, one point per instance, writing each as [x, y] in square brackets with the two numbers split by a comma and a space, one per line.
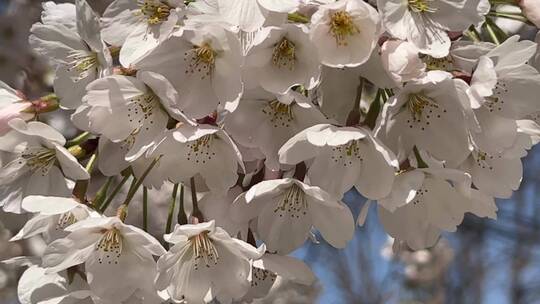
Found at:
[511, 16]
[132, 185]
[196, 211]
[182, 218]
[509, 2]
[91, 163]
[495, 33]
[102, 193]
[473, 34]
[79, 139]
[116, 190]
[145, 209]
[420, 162]
[172, 206]
[137, 184]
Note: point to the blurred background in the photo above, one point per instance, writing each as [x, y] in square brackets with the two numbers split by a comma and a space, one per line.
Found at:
[485, 261]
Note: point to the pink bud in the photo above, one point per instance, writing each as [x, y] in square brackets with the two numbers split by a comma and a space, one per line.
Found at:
[531, 10]
[14, 110]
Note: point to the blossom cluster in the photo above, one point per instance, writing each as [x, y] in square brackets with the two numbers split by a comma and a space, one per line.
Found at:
[267, 112]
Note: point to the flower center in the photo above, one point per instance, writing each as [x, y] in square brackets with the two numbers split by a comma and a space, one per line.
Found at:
[423, 110]
[284, 54]
[65, 220]
[109, 247]
[293, 203]
[202, 60]
[154, 11]
[280, 114]
[421, 6]
[140, 109]
[483, 159]
[347, 153]
[83, 63]
[39, 159]
[342, 26]
[201, 150]
[418, 102]
[204, 250]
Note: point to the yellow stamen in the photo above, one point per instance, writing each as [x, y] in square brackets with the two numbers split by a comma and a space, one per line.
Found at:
[39, 159]
[421, 6]
[342, 26]
[204, 250]
[110, 246]
[417, 103]
[293, 203]
[280, 114]
[284, 54]
[154, 11]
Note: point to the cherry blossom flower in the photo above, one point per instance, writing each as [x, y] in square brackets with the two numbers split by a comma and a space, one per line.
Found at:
[113, 254]
[205, 263]
[54, 214]
[425, 23]
[501, 77]
[497, 94]
[342, 158]
[498, 174]
[345, 32]
[38, 164]
[282, 57]
[204, 67]
[139, 26]
[77, 50]
[434, 114]
[286, 210]
[424, 202]
[130, 110]
[202, 149]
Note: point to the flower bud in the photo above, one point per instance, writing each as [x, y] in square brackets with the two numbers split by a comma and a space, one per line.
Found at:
[401, 60]
[45, 104]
